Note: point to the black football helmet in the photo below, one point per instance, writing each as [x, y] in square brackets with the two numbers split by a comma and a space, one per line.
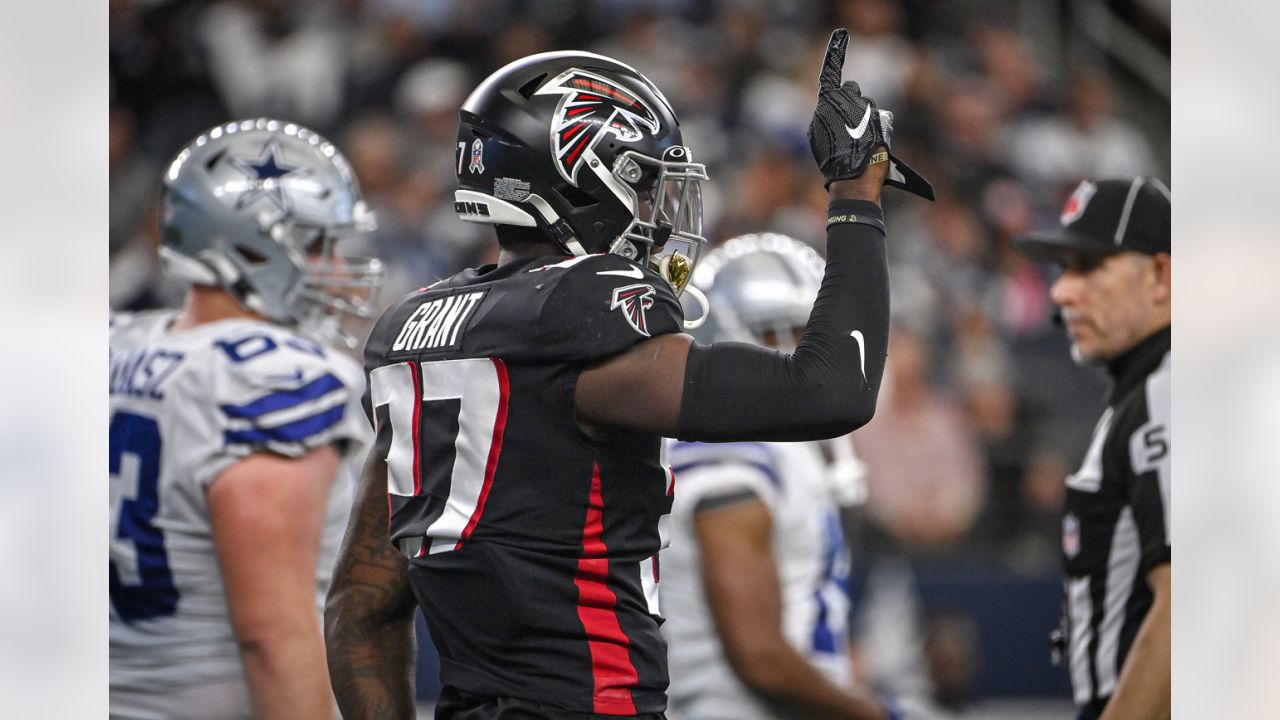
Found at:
[587, 150]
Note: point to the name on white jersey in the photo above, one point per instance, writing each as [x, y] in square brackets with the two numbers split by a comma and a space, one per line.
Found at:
[140, 373]
[437, 324]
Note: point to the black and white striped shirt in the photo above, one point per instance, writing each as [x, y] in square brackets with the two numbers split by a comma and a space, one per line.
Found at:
[1116, 525]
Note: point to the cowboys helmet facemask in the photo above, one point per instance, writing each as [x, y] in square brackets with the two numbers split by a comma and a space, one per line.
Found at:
[588, 151]
[258, 207]
[759, 284]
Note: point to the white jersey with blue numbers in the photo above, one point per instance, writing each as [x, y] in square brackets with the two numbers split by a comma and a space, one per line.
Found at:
[813, 568]
[184, 407]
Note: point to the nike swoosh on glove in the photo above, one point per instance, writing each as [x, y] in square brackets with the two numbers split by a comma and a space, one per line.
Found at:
[846, 126]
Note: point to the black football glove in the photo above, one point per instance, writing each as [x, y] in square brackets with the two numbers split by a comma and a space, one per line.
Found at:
[847, 127]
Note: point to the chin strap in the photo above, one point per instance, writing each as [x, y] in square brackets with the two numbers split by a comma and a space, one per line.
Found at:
[560, 229]
[697, 295]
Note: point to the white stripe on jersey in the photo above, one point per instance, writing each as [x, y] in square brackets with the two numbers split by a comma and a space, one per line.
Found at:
[1122, 570]
[1089, 477]
[1080, 605]
[286, 415]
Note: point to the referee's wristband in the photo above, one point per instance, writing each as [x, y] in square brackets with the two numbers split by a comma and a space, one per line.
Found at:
[863, 212]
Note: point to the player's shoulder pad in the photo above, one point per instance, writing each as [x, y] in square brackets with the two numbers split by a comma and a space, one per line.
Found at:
[280, 391]
[603, 304]
[731, 462]
[137, 323]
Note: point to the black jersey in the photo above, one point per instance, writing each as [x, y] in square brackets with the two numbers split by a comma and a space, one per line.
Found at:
[533, 548]
[1116, 525]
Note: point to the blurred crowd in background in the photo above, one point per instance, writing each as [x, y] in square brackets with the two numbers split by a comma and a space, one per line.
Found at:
[1004, 105]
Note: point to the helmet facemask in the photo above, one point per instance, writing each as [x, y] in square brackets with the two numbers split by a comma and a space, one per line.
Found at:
[338, 293]
[665, 195]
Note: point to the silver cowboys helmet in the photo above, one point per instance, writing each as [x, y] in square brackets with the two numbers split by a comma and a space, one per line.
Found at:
[586, 149]
[759, 283]
[258, 207]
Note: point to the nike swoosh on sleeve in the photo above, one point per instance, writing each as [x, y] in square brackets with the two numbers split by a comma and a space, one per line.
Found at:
[857, 133]
[633, 273]
[862, 352]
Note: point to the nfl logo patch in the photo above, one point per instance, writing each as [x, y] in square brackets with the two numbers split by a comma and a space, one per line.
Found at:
[1078, 201]
[1071, 535]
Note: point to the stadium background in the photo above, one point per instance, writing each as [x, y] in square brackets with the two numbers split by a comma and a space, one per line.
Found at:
[1004, 105]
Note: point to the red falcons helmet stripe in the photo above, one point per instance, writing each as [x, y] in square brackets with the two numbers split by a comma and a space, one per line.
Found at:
[592, 106]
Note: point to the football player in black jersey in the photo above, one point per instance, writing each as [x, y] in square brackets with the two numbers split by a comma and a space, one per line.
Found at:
[519, 406]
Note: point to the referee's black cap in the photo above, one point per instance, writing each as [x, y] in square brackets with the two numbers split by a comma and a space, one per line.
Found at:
[1105, 217]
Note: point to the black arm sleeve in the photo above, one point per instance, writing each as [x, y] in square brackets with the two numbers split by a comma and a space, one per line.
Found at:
[828, 386]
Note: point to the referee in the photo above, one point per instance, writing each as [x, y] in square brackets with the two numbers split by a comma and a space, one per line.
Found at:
[1114, 297]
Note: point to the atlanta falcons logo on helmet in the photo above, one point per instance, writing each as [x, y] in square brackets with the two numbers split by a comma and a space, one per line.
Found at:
[634, 300]
[591, 107]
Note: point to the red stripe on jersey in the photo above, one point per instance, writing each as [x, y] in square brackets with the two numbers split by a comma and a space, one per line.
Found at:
[417, 413]
[612, 673]
[495, 449]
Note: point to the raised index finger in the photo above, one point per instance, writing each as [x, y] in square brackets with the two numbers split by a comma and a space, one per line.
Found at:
[834, 61]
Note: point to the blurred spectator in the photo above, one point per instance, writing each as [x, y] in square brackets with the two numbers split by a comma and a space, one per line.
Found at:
[429, 94]
[879, 56]
[276, 58]
[401, 197]
[924, 470]
[132, 177]
[1010, 67]
[137, 280]
[1089, 140]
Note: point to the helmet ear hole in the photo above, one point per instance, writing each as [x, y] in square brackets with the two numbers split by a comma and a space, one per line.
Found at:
[575, 196]
[250, 257]
[528, 88]
[214, 159]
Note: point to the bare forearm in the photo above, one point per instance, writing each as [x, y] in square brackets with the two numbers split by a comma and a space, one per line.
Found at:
[782, 675]
[1143, 691]
[369, 614]
[371, 659]
[286, 674]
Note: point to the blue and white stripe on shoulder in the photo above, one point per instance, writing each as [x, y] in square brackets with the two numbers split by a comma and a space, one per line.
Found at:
[684, 456]
[301, 415]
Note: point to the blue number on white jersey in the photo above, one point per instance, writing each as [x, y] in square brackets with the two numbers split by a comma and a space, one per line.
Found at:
[144, 590]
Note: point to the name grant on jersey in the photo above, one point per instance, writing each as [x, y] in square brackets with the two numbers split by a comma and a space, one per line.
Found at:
[437, 324]
[139, 373]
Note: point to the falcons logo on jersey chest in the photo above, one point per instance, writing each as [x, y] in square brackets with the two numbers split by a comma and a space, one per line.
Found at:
[634, 300]
[592, 107]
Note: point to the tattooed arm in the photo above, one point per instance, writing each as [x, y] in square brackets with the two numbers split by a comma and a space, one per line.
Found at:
[368, 617]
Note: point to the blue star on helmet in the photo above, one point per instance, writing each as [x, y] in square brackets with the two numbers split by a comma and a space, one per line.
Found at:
[266, 176]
